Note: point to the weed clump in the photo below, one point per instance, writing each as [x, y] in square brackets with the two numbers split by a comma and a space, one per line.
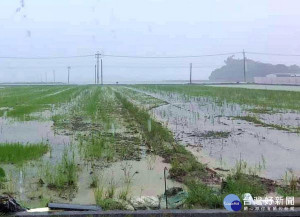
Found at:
[2, 177]
[106, 201]
[290, 187]
[2, 173]
[202, 195]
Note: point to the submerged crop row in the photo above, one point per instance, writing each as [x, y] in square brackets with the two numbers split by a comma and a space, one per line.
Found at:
[185, 167]
[262, 98]
[17, 153]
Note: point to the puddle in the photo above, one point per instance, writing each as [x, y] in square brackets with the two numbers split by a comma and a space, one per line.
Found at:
[145, 178]
[30, 132]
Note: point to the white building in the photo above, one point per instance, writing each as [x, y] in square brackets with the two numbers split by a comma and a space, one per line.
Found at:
[279, 78]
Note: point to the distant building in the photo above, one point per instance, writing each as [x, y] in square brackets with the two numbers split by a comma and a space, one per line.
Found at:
[279, 78]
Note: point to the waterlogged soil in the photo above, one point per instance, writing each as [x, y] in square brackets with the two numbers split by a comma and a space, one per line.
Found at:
[261, 87]
[287, 119]
[143, 175]
[143, 178]
[210, 131]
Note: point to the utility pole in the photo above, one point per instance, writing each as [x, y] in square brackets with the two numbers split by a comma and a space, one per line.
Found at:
[46, 77]
[191, 68]
[98, 56]
[101, 73]
[95, 74]
[165, 178]
[244, 55]
[69, 68]
[53, 76]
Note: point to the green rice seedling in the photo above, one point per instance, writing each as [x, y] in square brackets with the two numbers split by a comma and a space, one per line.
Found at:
[99, 194]
[37, 99]
[98, 147]
[254, 97]
[64, 174]
[110, 193]
[10, 185]
[151, 159]
[94, 181]
[123, 194]
[18, 153]
[256, 120]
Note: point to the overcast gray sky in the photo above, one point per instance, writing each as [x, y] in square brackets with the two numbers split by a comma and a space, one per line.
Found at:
[141, 27]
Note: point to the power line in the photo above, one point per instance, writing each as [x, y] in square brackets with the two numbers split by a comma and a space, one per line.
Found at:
[145, 57]
[113, 66]
[273, 54]
[41, 58]
[120, 56]
[170, 57]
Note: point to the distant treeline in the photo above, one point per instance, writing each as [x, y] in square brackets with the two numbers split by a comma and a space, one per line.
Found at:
[234, 70]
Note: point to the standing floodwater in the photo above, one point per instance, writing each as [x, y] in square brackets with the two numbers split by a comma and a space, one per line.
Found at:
[220, 135]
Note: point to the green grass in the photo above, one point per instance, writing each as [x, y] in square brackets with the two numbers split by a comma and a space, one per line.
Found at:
[288, 192]
[240, 185]
[290, 186]
[238, 182]
[254, 97]
[18, 153]
[201, 195]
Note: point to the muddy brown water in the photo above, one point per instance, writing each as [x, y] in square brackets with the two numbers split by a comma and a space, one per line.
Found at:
[146, 175]
[191, 118]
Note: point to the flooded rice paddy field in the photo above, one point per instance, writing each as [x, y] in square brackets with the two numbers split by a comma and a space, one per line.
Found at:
[107, 145]
[261, 86]
[221, 133]
[87, 133]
